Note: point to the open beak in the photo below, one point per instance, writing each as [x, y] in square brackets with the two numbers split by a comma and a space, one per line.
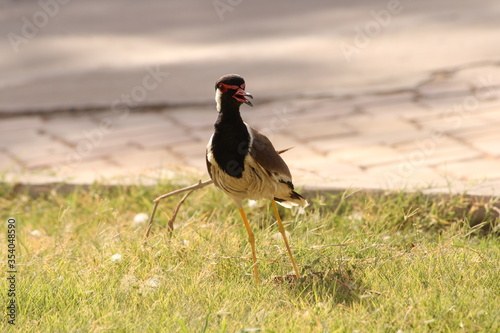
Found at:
[241, 96]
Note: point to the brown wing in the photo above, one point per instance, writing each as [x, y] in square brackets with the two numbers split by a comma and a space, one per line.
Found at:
[264, 153]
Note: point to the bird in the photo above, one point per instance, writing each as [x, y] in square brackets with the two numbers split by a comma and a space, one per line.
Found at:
[244, 164]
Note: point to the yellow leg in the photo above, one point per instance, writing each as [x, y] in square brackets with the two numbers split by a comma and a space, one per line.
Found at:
[251, 240]
[281, 229]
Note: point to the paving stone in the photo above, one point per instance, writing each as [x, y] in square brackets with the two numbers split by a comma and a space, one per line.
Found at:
[350, 184]
[190, 149]
[445, 103]
[490, 113]
[89, 171]
[43, 146]
[77, 155]
[388, 137]
[450, 122]
[327, 145]
[488, 95]
[109, 150]
[386, 130]
[161, 139]
[202, 134]
[123, 135]
[21, 123]
[199, 164]
[420, 112]
[150, 158]
[153, 123]
[383, 99]
[294, 105]
[404, 175]
[45, 160]
[366, 155]
[137, 135]
[436, 150]
[10, 139]
[480, 76]
[325, 109]
[324, 167]
[367, 139]
[72, 128]
[483, 187]
[477, 132]
[432, 144]
[137, 119]
[467, 108]
[314, 130]
[488, 144]
[194, 117]
[397, 137]
[378, 124]
[403, 111]
[7, 163]
[444, 87]
[475, 169]
[287, 105]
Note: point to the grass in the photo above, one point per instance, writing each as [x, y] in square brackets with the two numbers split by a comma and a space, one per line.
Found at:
[371, 263]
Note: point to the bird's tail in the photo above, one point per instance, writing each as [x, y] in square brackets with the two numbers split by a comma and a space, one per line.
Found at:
[293, 199]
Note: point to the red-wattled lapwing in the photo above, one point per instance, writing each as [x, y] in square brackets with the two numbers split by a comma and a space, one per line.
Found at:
[243, 162]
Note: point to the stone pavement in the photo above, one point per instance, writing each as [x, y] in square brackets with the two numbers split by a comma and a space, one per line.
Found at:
[372, 94]
[441, 135]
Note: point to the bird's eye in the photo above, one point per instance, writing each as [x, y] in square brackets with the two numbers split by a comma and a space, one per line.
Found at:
[222, 87]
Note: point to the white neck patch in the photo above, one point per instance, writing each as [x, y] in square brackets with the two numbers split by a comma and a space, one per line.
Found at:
[218, 95]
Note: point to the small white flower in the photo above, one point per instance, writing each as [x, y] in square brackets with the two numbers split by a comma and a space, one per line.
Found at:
[129, 282]
[140, 219]
[252, 203]
[356, 216]
[153, 282]
[36, 233]
[117, 257]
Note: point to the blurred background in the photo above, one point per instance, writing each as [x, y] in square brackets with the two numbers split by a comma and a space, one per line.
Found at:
[371, 93]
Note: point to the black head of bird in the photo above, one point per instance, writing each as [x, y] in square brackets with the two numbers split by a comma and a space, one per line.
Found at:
[230, 92]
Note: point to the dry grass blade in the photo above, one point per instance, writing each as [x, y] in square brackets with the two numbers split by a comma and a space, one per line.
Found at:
[176, 210]
[156, 201]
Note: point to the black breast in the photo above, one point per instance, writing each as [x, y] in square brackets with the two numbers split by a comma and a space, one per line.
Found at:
[230, 145]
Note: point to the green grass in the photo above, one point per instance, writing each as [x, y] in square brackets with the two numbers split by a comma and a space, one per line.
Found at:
[371, 263]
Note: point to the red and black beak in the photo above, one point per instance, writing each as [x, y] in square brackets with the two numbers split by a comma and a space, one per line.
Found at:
[241, 96]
